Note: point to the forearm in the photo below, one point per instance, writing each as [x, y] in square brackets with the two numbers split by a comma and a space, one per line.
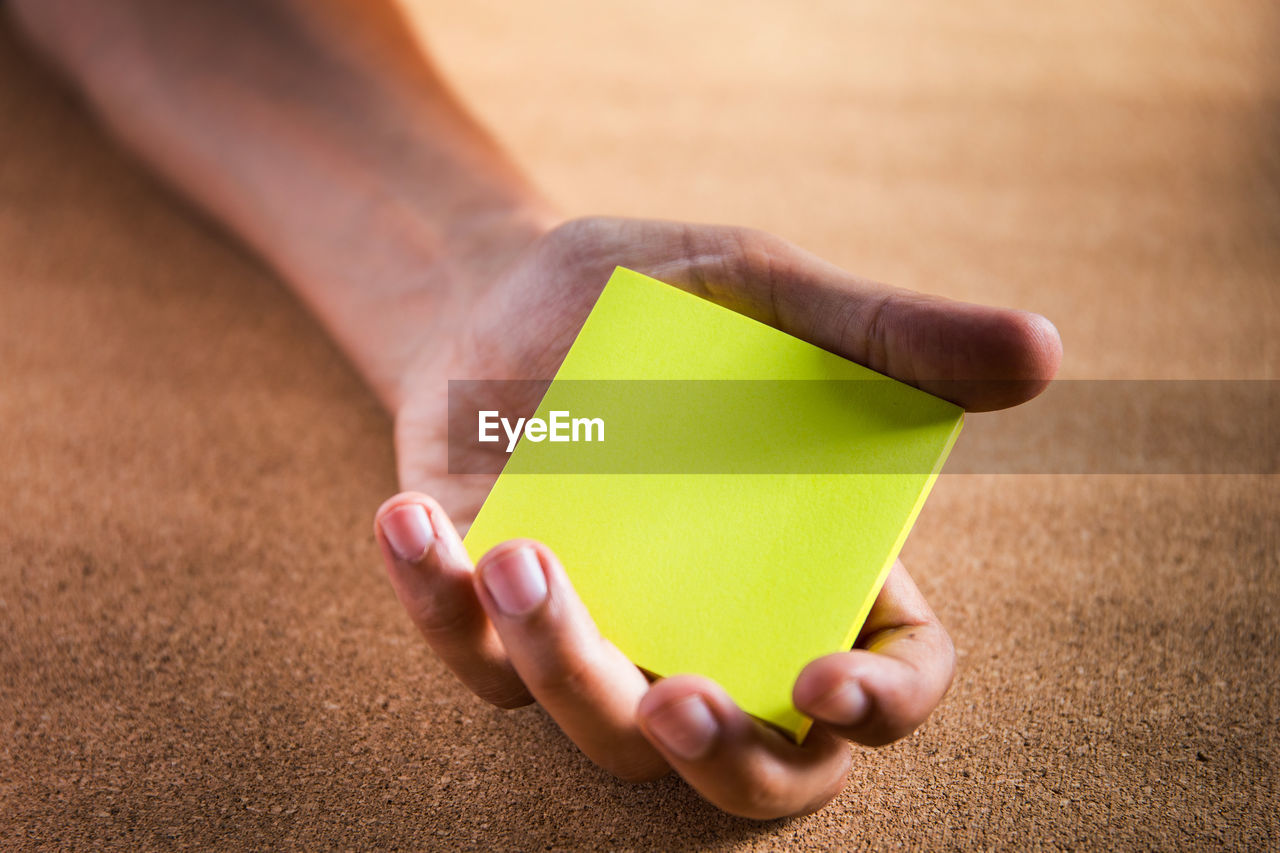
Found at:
[320, 134]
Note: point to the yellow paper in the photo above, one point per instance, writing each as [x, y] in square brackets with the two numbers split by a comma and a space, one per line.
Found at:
[729, 534]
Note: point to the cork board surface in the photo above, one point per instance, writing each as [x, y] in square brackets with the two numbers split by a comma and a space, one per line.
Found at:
[197, 646]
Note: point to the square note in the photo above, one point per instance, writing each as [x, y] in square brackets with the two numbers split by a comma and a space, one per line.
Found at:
[727, 499]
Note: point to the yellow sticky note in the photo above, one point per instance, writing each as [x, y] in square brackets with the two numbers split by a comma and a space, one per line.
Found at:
[735, 496]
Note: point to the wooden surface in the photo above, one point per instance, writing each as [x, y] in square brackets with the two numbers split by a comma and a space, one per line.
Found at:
[197, 646]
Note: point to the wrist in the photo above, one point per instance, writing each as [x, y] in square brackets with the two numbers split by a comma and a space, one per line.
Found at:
[431, 278]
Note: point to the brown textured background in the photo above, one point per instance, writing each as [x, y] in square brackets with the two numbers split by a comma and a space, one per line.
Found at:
[196, 643]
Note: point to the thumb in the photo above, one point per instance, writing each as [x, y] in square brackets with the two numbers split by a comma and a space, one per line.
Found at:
[977, 356]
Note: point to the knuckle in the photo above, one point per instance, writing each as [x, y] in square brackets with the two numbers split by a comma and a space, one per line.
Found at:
[947, 657]
[504, 695]
[442, 621]
[891, 724]
[750, 254]
[765, 796]
[563, 673]
[933, 665]
[870, 325]
[827, 793]
[586, 243]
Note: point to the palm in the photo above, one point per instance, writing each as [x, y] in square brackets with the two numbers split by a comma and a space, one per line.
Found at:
[518, 327]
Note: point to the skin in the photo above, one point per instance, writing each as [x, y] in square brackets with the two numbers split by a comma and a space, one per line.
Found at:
[319, 133]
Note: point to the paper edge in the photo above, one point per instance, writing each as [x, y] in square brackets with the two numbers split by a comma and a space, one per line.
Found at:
[865, 610]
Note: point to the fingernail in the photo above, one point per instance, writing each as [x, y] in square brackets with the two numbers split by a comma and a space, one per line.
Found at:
[408, 531]
[686, 727]
[515, 580]
[845, 705]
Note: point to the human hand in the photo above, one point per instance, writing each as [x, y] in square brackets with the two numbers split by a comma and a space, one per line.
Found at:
[511, 626]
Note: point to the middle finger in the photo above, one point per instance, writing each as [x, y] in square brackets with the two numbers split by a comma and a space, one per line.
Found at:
[582, 680]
